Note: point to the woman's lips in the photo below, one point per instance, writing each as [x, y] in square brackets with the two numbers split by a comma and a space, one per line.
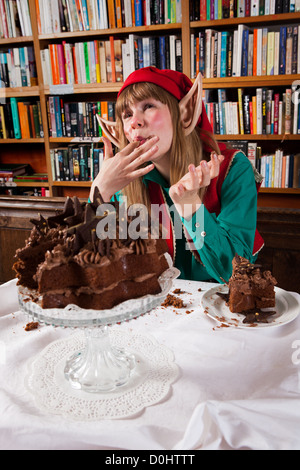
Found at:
[141, 140]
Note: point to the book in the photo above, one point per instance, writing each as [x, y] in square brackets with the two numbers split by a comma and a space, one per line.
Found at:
[241, 110]
[15, 169]
[15, 117]
[240, 34]
[296, 171]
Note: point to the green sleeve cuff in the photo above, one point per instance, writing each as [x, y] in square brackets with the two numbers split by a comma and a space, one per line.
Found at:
[203, 226]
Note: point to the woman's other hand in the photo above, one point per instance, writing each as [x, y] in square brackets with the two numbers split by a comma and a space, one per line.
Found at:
[185, 193]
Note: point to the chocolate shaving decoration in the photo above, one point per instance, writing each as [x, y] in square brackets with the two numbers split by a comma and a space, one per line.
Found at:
[59, 218]
[257, 316]
[77, 243]
[94, 240]
[97, 198]
[40, 224]
[89, 214]
[245, 266]
[107, 247]
[77, 216]
[101, 248]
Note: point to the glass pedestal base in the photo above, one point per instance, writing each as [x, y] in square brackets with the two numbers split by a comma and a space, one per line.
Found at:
[99, 367]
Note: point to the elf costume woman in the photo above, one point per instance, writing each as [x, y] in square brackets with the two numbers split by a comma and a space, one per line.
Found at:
[168, 157]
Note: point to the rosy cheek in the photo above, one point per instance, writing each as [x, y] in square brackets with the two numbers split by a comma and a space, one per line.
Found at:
[158, 120]
[127, 133]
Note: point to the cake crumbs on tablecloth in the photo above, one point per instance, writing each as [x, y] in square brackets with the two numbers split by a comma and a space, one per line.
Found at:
[172, 301]
[31, 326]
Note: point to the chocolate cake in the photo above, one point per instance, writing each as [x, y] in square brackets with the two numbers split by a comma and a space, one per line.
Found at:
[91, 272]
[250, 288]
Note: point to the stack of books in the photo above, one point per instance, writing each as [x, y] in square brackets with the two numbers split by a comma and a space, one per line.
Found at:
[9, 171]
[34, 178]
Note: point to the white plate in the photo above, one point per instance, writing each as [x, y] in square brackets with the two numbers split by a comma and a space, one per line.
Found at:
[286, 306]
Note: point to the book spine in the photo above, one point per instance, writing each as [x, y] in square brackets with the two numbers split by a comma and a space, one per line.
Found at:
[246, 114]
[52, 116]
[138, 10]
[61, 64]
[86, 62]
[54, 64]
[240, 106]
[282, 50]
[276, 112]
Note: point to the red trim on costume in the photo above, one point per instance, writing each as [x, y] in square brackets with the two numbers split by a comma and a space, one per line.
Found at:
[156, 197]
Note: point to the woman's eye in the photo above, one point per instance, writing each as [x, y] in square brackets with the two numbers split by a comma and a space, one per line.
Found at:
[126, 115]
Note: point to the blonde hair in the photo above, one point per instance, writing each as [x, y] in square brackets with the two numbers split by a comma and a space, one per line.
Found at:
[191, 146]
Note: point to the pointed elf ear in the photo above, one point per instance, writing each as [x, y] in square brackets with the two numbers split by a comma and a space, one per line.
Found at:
[191, 106]
[109, 128]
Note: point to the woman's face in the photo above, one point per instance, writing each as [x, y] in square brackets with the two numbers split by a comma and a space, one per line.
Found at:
[148, 118]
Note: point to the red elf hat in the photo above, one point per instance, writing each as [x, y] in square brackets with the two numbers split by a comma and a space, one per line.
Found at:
[176, 83]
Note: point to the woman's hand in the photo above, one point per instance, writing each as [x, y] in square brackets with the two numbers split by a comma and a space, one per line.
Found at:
[185, 195]
[118, 171]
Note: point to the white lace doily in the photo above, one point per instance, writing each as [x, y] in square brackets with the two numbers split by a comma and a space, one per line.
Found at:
[150, 382]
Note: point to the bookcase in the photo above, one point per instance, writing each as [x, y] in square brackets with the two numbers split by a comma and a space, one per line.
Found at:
[179, 28]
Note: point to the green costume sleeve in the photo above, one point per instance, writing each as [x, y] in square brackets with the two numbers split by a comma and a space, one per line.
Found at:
[218, 238]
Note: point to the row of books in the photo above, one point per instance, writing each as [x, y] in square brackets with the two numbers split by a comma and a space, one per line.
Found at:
[17, 68]
[246, 52]
[14, 19]
[82, 163]
[56, 16]
[265, 112]
[202, 10]
[76, 162]
[77, 119]
[163, 52]
[21, 120]
[278, 170]
[109, 60]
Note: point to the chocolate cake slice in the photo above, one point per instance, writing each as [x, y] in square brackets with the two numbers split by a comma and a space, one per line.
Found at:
[250, 288]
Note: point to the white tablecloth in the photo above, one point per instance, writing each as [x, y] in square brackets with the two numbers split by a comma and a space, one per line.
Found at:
[237, 388]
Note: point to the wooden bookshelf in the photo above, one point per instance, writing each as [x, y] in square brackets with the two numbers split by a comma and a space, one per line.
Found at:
[249, 20]
[10, 148]
[246, 82]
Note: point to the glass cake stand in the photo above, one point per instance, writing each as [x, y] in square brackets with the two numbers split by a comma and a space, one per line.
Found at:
[99, 367]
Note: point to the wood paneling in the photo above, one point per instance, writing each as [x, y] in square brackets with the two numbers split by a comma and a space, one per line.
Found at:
[280, 229]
